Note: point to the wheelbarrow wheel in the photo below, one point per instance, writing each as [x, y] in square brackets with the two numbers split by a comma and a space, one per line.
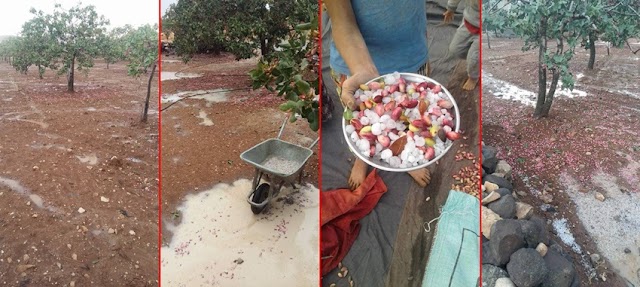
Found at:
[260, 195]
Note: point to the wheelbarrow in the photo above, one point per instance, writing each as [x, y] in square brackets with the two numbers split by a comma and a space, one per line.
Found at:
[280, 162]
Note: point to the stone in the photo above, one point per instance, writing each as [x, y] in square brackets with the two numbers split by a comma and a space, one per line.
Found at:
[493, 196]
[547, 208]
[490, 187]
[542, 249]
[111, 231]
[24, 267]
[532, 233]
[131, 232]
[599, 196]
[503, 168]
[506, 238]
[627, 250]
[504, 191]
[505, 207]
[561, 272]
[523, 210]
[501, 182]
[527, 268]
[504, 282]
[81, 210]
[546, 197]
[104, 199]
[487, 256]
[543, 235]
[489, 218]
[491, 274]
[489, 159]
[595, 258]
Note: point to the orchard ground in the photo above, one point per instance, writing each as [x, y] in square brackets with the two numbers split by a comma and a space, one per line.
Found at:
[588, 145]
[210, 236]
[78, 179]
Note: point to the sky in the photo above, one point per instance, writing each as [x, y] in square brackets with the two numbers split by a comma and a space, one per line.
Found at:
[166, 3]
[119, 12]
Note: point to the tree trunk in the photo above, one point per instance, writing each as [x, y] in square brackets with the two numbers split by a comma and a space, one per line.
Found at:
[592, 51]
[146, 103]
[263, 47]
[542, 76]
[552, 91]
[40, 71]
[488, 40]
[71, 71]
[107, 65]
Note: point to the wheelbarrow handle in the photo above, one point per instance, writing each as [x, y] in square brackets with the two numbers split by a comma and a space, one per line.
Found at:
[284, 123]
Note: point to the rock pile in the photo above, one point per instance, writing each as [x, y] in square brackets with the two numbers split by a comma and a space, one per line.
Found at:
[516, 249]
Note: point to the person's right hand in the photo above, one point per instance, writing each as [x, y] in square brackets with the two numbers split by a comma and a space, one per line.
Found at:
[352, 84]
[448, 16]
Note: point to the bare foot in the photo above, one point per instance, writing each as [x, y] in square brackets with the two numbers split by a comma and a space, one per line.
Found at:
[421, 176]
[470, 84]
[358, 174]
[428, 69]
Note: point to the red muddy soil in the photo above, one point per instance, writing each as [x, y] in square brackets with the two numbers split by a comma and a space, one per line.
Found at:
[60, 152]
[581, 136]
[196, 156]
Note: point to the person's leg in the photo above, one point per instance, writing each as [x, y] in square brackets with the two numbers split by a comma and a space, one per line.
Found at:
[422, 176]
[359, 169]
[473, 70]
[460, 43]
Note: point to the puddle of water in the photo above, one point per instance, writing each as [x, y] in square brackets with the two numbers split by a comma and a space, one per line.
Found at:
[50, 146]
[133, 159]
[613, 224]
[211, 96]
[206, 121]
[218, 227]
[37, 200]
[90, 159]
[507, 91]
[168, 76]
[15, 186]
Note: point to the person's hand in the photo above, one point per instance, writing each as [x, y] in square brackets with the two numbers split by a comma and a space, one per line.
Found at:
[352, 84]
[448, 16]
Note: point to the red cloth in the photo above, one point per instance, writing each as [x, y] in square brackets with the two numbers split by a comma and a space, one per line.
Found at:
[341, 211]
[472, 29]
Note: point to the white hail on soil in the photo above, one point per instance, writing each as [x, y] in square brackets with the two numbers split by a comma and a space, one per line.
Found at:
[219, 242]
[281, 165]
[507, 91]
[564, 233]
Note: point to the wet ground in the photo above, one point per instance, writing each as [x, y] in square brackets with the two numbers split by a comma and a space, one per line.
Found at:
[208, 227]
[78, 180]
[586, 149]
[221, 243]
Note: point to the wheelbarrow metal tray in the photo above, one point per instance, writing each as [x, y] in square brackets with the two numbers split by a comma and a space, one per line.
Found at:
[259, 154]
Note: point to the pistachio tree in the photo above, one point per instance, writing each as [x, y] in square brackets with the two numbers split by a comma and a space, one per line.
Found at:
[141, 50]
[555, 29]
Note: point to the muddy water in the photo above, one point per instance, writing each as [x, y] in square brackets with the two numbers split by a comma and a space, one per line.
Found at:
[90, 159]
[210, 96]
[206, 121]
[220, 242]
[168, 76]
[16, 187]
